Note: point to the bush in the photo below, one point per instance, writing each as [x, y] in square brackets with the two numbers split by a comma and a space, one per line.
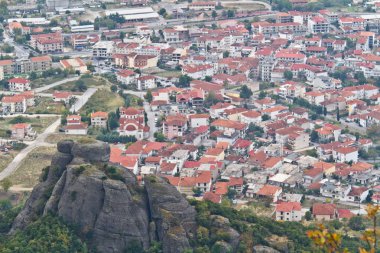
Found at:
[19, 119]
[356, 223]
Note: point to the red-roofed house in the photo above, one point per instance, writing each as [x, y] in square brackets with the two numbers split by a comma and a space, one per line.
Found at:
[324, 212]
[99, 119]
[288, 211]
[14, 104]
[346, 154]
[22, 131]
[19, 84]
[270, 192]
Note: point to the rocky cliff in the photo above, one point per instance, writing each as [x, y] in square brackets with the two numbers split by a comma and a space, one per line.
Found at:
[105, 203]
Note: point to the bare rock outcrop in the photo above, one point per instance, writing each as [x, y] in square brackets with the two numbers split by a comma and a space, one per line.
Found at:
[105, 203]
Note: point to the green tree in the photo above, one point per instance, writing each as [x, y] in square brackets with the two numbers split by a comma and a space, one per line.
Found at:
[245, 92]
[265, 117]
[80, 85]
[162, 12]
[208, 78]
[214, 14]
[113, 121]
[314, 137]
[226, 54]
[230, 13]
[356, 223]
[288, 75]
[231, 193]
[308, 216]
[159, 137]
[148, 96]
[184, 81]
[113, 88]
[6, 184]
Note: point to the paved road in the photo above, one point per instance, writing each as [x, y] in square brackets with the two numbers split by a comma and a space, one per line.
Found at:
[46, 87]
[39, 141]
[82, 100]
[151, 122]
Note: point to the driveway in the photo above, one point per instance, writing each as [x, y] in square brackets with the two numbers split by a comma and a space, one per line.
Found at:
[39, 141]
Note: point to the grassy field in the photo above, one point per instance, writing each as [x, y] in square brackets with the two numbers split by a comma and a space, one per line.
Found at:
[55, 138]
[45, 81]
[244, 6]
[5, 159]
[46, 106]
[70, 86]
[103, 100]
[258, 208]
[38, 124]
[31, 167]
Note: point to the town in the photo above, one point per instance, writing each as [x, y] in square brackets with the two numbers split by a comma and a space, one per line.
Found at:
[268, 105]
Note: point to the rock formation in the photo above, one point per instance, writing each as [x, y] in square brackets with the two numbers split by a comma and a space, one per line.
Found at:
[105, 203]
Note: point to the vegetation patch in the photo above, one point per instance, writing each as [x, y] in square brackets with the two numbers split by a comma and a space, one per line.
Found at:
[29, 171]
[103, 100]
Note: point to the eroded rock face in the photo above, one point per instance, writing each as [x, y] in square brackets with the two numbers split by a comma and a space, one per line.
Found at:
[264, 249]
[172, 214]
[109, 213]
[92, 152]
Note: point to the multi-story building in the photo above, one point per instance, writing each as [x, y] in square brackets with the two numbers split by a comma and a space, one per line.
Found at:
[14, 104]
[47, 43]
[202, 6]
[21, 66]
[103, 49]
[99, 119]
[174, 126]
[318, 24]
[19, 84]
[146, 82]
[289, 211]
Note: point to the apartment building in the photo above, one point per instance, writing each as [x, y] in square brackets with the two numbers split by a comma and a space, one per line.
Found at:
[318, 24]
[47, 43]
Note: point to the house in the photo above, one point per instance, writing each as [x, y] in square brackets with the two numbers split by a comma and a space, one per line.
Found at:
[346, 154]
[76, 64]
[328, 132]
[269, 192]
[75, 126]
[186, 185]
[197, 120]
[14, 104]
[198, 71]
[249, 117]
[288, 211]
[174, 126]
[62, 96]
[19, 84]
[23, 131]
[146, 82]
[324, 212]
[126, 76]
[99, 119]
